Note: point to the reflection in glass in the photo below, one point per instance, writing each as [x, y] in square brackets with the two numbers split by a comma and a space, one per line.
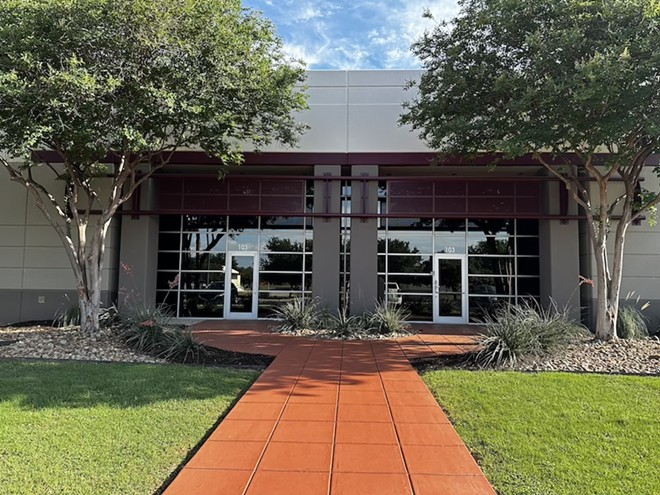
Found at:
[409, 264]
[483, 244]
[491, 226]
[528, 286]
[480, 306]
[481, 265]
[420, 307]
[243, 242]
[204, 241]
[281, 262]
[242, 277]
[165, 279]
[203, 261]
[381, 263]
[198, 304]
[450, 275]
[243, 223]
[416, 224]
[450, 305]
[409, 244]
[411, 283]
[450, 225]
[280, 281]
[268, 301]
[283, 241]
[281, 222]
[491, 285]
[204, 222]
[203, 280]
[450, 244]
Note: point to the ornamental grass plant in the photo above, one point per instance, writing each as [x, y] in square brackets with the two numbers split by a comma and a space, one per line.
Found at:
[516, 332]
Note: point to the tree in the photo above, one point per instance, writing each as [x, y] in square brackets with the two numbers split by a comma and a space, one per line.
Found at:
[569, 81]
[114, 87]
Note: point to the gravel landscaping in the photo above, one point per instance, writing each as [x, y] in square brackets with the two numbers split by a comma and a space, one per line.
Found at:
[44, 342]
[638, 356]
[627, 357]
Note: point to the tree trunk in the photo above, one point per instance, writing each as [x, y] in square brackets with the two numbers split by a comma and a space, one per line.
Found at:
[605, 324]
[90, 307]
[89, 286]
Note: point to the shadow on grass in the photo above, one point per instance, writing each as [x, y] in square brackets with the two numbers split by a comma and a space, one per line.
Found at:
[41, 385]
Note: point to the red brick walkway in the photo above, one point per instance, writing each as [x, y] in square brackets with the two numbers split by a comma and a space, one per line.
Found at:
[333, 417]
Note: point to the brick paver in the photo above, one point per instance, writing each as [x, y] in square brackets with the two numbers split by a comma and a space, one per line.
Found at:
[333, 417]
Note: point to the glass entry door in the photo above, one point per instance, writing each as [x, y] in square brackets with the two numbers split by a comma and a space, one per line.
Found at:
[241, 282]
[449, 289]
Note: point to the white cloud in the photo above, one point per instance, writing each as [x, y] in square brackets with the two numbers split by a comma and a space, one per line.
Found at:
[347, 35]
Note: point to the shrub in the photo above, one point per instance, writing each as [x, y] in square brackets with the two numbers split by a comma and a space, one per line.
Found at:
[180, 345]
[69, 317]
[631, 323]
[150, 330]
[142, 327]
[517, 332]
[388, 319]
[298, 314]
[343, 325]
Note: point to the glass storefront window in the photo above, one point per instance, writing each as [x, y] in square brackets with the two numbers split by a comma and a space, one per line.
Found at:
[495, 272]
[278, 262]
[492, 265]
[203, 261]
[198, 245]
[415, 284]
[491, 285]
[420, 307]
[408, 264]
[282, 241]
[450, 243]
[243, 242]
[204, 241]
[483, 244]
[193, 223]
[409, 243]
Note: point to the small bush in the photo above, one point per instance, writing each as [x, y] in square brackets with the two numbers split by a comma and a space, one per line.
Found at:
[631, 323]
[142, 328]
[343, 325]
[516, 332]
[180, 345]
[388, 319]
[298, 314]
[69, 317]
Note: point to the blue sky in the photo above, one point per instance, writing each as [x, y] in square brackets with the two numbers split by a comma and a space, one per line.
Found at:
[339, 34]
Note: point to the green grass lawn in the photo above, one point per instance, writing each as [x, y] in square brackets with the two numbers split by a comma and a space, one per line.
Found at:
[104, 428]
[557, 433]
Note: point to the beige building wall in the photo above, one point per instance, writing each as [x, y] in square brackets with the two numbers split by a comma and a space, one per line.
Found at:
[36, 278]
[641, 263]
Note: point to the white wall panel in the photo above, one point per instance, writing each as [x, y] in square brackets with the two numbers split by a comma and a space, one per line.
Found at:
[11, 257]
[48, 278]
[12, 235]
[11, 278]
[12, 201]
[374, 128]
